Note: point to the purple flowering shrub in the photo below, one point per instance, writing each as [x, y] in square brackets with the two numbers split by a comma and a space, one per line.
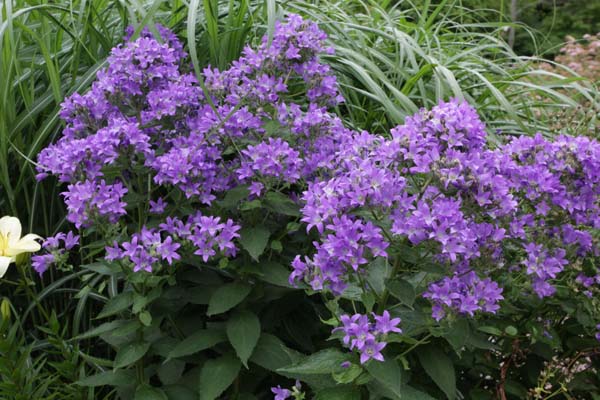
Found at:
[235, 224]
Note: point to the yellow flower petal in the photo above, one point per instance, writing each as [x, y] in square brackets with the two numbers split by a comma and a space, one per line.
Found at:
[10, 228]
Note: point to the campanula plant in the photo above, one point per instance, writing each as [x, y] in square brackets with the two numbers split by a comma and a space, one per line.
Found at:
[245, 239]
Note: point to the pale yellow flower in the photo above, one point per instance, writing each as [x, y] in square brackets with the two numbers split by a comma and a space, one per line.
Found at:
[12, 244]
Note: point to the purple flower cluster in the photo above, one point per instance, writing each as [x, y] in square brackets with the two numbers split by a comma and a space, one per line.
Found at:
[204, 234]
[56, 247]
[435, 185]
[87, 201]
[145, 249]
[366, 336]
[348, 246]
[466, 293]
[273, 158]
[147, 127]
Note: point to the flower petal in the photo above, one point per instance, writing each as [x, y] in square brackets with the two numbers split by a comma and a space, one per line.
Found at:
[4, 263]
[10, 228]
[27, 244]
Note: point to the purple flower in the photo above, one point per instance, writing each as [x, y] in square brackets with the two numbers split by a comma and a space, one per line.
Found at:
[385, 325]
[367, 337]
[372, 350]
[281, 394]
[158, 206]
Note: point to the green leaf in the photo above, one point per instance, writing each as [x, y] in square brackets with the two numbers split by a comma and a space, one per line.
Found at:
[388, 374]
[243, 331]
[226, 297]
[170, 371]
[338, 393]
[216, 376]
[281, 204]
[130, 353]
[440, 368]
[117, 304]
[147, 392]
[145, 318]
[410, 393]
[254, 240]
[109, 378]
[101, 329]
[275, 274]
[402, 290]
[492, 330]
[458, 334]
[102, 268]
[234, 196]
[348, 375]
[196, 342]
[271, 353]
[323, 362]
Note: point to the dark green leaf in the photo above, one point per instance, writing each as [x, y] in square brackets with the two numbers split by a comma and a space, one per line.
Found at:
[102, 268]
[377, 272]
[196, 342]
[170, 371]
[271, 353]
[216, 376]
[281, 204]
[130, 353]
[338, 393]
[227, 297]
[234, 197]
[116, 304]
[439, 367]
[402, 290]
[275, 274]
[109, 378]
[388, 374]
[324, 362]
[147, 392]
[243, 331]
[99, 330]
[410, 393]
[254, 240]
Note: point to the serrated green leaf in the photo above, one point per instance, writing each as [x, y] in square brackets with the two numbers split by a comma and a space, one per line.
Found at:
[130, 353]
[243, 331]
[254, 240]
[216, 376]
[440, 368]
[227, 296]
[196, 342]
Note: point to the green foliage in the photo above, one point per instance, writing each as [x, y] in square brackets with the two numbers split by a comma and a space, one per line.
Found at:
[394, 58]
